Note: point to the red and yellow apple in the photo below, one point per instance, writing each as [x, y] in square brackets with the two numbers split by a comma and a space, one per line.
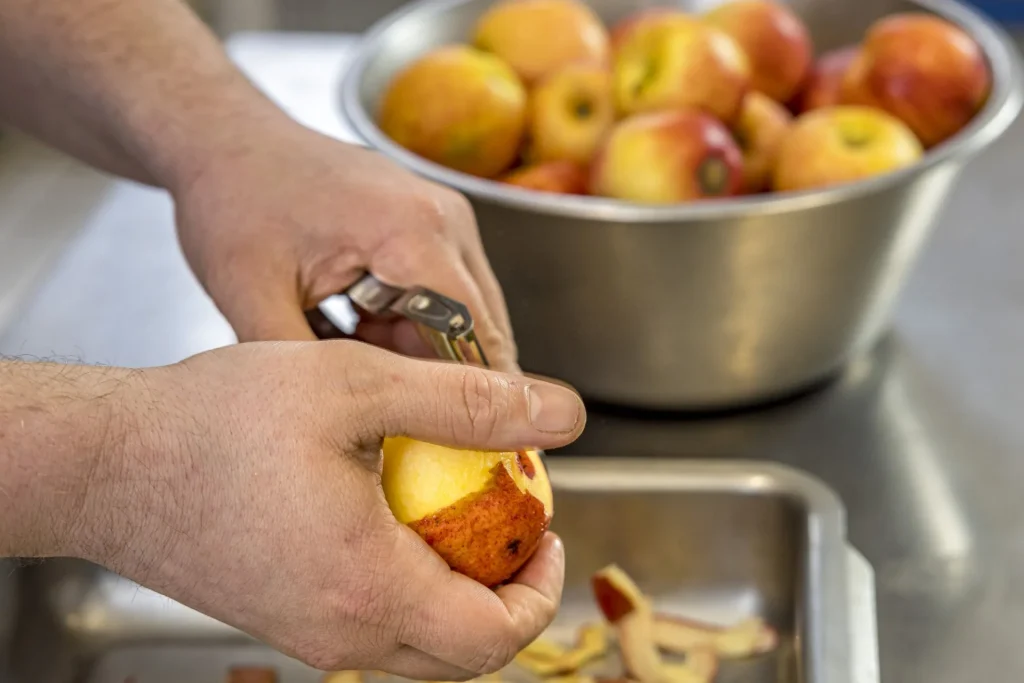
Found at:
[537, 37]
[571, 112]
[560, 177]
[623, 30]
[484, 513]
[922, 69]
[775, 41]
[825, 82]
[668, 157]
[842, 144]
[458, 107]
[762, 124]
[673, 61]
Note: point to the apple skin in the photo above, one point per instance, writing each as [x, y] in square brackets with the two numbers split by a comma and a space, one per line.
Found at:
[824, 84]
[674, 61]
[842, 144]
[571, 111]
[762, 124]
[560, 177]
[668, 157]
[623, 30]
[458, 107]
[775, 40]
[467, 505]
[924, 70]
[536, 37]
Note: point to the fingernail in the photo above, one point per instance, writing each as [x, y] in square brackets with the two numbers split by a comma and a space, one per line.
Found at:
[553, 409]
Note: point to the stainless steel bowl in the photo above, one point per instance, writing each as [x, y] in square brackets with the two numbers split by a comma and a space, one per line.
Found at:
[702, 305]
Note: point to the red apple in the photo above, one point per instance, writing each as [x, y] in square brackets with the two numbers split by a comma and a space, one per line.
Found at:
[762, 124]
[924, 70]
[562, 177]
[667, 157]
[672, 61]
[825, 82]
[775, 41]
[842, 144]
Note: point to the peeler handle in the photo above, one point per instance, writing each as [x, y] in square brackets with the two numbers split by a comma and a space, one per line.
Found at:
[444, 323]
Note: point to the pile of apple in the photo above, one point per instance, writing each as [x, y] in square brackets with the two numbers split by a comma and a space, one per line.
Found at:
[667, 107]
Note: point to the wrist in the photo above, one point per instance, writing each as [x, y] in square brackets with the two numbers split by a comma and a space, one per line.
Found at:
[59, 426]
[225, 121]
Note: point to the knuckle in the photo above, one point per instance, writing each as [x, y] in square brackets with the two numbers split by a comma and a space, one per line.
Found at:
[482, 403]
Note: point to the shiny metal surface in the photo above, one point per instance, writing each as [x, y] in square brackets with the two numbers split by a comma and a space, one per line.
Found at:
[921, 437]
[718, 541]
[704, 305]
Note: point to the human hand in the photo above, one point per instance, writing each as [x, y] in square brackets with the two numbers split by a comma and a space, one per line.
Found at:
[273, 230]
[247, 485]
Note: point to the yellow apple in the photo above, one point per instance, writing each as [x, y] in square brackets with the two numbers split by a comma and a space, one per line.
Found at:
[570, 113]
[672, 60]
[623, 30]
[484, 513]
[458, 107]
[842, 144]
[537, 37]
[775, 41]
[762, 124]
[668, 157]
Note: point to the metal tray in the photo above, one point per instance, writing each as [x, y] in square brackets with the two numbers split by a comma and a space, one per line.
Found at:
[716, 541]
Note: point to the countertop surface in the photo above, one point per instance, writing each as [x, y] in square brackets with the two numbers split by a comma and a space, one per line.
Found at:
[923, 439]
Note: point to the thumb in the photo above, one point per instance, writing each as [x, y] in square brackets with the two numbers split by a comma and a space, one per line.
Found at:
[464, 406]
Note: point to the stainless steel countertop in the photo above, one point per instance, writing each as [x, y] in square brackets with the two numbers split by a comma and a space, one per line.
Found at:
[923, 439]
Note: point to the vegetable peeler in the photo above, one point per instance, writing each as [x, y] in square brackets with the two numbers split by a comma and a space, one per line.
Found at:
[445, 324]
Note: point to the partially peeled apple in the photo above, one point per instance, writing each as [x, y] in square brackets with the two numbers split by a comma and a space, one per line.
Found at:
[484, 513]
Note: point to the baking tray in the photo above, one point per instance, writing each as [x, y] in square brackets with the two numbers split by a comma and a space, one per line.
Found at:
[710, 540]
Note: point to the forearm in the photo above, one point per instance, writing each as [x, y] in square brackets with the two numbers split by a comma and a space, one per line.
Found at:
[59, 429]
[138, 88]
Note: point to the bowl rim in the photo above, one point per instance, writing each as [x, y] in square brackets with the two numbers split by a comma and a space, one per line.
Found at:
[1001, 109]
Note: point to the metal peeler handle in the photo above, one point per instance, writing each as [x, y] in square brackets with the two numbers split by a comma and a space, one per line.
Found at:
[443, 323]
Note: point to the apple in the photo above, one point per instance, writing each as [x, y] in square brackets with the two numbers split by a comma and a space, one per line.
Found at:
[667, 157]
[623, 30]
[922, 69]
[747, 638]
[825, 82]
[762, 124]
[537, 37]
[458, 107]
[483, 513]
[571, 111]
[775, 41]
[673, 61]
[842, 144]
[562, 177]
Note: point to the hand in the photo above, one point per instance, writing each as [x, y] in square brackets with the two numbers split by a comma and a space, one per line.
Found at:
[248, 487]
[298, 217]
